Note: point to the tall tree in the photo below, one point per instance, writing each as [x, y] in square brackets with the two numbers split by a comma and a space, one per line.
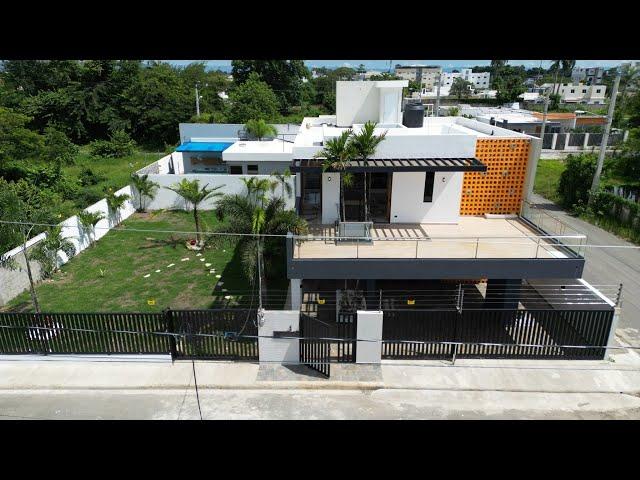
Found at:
[283, 76]
[253, 99]
[460, 88]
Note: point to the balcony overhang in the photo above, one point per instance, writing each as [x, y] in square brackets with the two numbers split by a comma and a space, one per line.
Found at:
[395, 165]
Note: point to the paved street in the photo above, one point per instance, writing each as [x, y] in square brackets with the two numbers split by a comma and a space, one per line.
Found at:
[608, 266]
[313, 405]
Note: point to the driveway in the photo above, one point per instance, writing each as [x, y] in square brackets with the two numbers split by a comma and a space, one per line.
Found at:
[607, 266]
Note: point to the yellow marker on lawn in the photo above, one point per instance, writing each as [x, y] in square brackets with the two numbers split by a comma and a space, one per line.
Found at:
[151, 301]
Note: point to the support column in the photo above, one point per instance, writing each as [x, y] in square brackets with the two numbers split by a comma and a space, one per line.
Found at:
[369, 328]
[279, 350]
[585, 144]
[503, 293]
[554, 139]
[566, 141]
[295, 293]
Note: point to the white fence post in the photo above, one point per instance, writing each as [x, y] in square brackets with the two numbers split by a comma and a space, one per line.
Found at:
[554, 139]
[566, 141]
[612, 333]
[369, 335]
[585, 144]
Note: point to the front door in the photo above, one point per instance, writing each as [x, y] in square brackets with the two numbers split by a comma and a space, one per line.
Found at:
[379, 197]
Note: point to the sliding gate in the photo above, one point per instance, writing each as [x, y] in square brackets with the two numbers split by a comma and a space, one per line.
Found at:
[524, 334]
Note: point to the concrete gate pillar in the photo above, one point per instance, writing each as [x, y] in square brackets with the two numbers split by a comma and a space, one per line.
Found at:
[295, 291]
[369, 335]
[279, 350]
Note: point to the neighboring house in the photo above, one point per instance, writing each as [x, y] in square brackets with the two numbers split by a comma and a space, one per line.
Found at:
[516, 119]
[588, 75]
[226, 149]
[578, 92]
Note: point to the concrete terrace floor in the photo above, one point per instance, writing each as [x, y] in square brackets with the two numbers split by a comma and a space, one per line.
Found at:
[472, 237]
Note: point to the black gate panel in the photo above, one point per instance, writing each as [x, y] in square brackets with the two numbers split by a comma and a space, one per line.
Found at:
[399, 327]
[315, 350]
[215, 334]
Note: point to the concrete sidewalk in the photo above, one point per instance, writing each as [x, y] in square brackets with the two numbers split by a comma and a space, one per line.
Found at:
[544, 376]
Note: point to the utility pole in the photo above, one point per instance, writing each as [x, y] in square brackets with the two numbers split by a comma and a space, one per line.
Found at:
[438, 94]
[605, 137]
[197, 100]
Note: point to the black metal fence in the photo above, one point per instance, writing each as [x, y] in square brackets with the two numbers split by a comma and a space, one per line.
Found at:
[525, 334]
[133, 333]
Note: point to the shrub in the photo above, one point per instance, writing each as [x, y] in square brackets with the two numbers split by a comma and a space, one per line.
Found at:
[88, 177]
[575, 180]
[119, 145]
[58, 147]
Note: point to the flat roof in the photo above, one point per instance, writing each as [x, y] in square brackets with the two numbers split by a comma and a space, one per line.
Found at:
[204, 146]
[265, 146]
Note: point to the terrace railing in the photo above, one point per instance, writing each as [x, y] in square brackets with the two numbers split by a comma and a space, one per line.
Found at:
[549, 224]
[523, 247]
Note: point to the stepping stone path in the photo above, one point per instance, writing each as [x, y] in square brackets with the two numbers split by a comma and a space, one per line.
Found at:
[202, 259]
[147, 275]
[170, 265]
[207, 265]
[158, 271]
[198, 254]
[218, 276]
[184, 259]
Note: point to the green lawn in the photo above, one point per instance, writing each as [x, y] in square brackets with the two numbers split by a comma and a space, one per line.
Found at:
[110, 275]
[548, 178]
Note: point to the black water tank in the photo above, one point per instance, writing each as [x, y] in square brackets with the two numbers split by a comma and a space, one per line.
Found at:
[413, 116]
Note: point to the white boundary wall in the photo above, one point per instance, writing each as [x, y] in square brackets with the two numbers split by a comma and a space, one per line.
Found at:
[279, 350]
[233, 184]
[13, 282]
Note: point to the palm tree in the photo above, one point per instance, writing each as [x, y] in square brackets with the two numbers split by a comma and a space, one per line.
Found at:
[193, 194]
[563, 66]
[336, 155]
[283, 180]
[364, 145]
[46, 251]
[257, 188]
[145, 187]
[247, 214]
[115, 203]
[89, 220]
[260, 129]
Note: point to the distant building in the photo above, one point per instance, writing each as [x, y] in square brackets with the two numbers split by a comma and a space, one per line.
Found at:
[588, 75]
[578, 92]
[425, 74]
[480, 80]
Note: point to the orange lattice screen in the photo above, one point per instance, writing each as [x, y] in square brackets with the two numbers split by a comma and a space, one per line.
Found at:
[499, 189]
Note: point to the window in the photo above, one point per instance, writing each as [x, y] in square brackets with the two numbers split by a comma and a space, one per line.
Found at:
[252, 169]
[584, 90]
[428, 187]
[573, 91]
[598, 90]
[235, 170]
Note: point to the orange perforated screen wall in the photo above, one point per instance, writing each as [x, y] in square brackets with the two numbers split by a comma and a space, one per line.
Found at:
[499, 189]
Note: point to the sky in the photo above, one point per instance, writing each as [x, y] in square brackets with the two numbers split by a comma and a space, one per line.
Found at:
[384, 64]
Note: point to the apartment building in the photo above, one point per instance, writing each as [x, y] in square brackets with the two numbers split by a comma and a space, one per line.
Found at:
[479, 80]
[427, 75]
[588, 75]
[578, 92]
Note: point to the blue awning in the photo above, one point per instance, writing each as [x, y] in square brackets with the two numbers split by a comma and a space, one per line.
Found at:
[204, 146]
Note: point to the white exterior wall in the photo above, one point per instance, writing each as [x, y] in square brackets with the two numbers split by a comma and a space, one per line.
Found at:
[330, 197]
[14, 282]
[356, 102]
[407, 197]
[282, 350]
[233, 184]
